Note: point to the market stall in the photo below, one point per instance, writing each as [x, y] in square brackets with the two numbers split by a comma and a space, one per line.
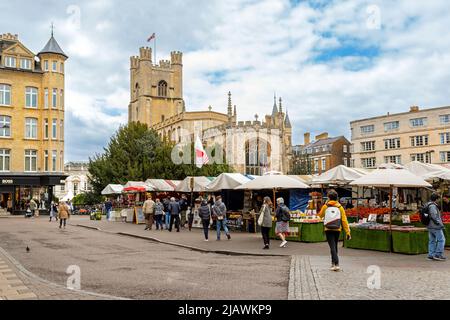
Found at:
[372, 235]
[136, 192]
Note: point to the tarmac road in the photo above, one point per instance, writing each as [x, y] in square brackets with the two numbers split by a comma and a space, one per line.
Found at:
[138, 269]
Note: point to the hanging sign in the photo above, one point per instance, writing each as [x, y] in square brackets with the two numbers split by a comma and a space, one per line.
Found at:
[386, 218]
[406, 219]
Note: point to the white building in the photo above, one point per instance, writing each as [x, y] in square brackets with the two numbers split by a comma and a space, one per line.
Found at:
[77, 182]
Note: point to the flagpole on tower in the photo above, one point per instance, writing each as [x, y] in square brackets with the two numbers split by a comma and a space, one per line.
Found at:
[154, 49]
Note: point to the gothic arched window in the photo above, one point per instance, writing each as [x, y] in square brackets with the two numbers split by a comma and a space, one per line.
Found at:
[162, 88]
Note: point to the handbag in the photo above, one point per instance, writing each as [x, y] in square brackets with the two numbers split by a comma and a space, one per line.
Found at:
[261, 216]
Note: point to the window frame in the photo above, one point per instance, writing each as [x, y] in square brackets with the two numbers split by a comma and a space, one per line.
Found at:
[444, 116]
[31, 126]
[444, 137]
[163, 89]
[5, 154]
[29, 158]
[54, 98]
[31, 95]
[388, 126]
[3, 129]
[414, 123]
[9, 59]
[366, 132]
[5, 93]
[27, 66]
[54, 129]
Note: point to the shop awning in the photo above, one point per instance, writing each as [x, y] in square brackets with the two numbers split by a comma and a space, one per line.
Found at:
[161, 185]
[340, 175]
[428, 171]
[227, 181]
[137, 186]
[273, 182]
[112, 189]
[200, 184]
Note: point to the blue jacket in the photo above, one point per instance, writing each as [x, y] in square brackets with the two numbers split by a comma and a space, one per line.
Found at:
[435, 217]
[174, 208]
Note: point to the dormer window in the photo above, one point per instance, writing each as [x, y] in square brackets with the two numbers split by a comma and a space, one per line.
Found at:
[45, 65]
[10, 62]
[162, 88]
[25, 64]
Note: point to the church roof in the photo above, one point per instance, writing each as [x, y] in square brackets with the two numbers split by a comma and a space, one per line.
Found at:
[52, 46]
[275, 108]
[287, 121]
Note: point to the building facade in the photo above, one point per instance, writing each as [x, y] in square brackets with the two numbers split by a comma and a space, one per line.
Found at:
[417, 135]
[31, 122]
[321, 155]
[156, 98]
[77, 181]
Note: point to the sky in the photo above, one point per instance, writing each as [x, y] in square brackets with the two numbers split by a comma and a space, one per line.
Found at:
[331, 61]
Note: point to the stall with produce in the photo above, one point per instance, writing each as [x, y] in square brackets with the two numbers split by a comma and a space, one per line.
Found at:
[136, 193]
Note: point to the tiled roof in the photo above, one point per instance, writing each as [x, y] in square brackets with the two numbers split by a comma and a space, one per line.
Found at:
[53, 47]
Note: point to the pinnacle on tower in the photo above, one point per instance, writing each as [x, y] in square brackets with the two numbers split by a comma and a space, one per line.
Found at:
[235, 113]
[281, 106]
[275, 108]
[287, 121]
[230, 105]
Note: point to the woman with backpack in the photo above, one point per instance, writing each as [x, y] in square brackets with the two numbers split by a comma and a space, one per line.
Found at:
[283, 217]
[334, 219]
[266, 223]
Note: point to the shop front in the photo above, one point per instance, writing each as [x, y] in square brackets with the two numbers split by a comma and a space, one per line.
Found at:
[17, 190]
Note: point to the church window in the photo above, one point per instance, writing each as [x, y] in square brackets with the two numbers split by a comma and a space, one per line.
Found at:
[162, 88]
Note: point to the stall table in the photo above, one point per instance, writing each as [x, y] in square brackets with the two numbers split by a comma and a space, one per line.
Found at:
[447, 235]
[313, 232]
[378, 240]
[410, 242]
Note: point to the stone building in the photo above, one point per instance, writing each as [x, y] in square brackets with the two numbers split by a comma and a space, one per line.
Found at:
[252, 147]
[321, 155]
[31, 122]
[417, 135]
[77, 181]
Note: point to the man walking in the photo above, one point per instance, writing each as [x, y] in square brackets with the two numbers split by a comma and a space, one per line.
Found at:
[220, 213]
[149, 211]
[435, 230]
[34, 208]
[174, 208]
[166, 204]
[183, 207]
[108, 208]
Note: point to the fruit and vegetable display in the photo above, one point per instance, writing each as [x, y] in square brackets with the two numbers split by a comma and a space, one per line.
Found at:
[301, 217]
[385, 227]
[446, 217]
[365, 212]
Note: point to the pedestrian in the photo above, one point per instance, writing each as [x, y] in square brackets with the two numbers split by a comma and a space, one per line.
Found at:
[53, 211]
[445, 204]
[184, 207]
[204, 212]
[166, 203]
[190, 217]
[283, 217]
[159, 213]
[334, 219]
[220, 213]
[174, 208]
[34, 208]
[63, 214]
[266, 226]
[149, 211]
[108, 208]
[435, 227]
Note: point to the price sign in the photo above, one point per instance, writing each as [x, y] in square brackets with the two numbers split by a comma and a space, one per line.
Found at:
[364, 220]
[372, 218]
[406, 219]
[386, 218]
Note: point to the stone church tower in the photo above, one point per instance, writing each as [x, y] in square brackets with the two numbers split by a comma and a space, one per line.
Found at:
[156, 90]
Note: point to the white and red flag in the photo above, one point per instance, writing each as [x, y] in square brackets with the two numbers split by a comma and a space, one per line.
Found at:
[201, 158]
[153, 36]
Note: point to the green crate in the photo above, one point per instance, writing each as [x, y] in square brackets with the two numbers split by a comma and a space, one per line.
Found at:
[377, 240]
[447, 235]
[410, 242]
[313, 232]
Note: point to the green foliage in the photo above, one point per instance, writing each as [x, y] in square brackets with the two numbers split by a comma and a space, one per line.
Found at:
[136, 153]
[87, 199]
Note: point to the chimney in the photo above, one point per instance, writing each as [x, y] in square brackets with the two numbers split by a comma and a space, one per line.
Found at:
[322, 136]
[307, 136]
[414, 109]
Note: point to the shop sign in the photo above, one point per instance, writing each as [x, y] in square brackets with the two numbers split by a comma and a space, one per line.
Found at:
[7, 181]
[406, 219]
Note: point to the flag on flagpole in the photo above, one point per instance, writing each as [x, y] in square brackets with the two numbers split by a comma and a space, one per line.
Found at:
[201, 158]
[153, 36]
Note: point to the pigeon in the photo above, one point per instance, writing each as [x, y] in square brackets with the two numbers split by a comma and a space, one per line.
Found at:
[28, 249]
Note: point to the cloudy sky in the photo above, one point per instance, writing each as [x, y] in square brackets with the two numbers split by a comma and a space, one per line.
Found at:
[331, 61]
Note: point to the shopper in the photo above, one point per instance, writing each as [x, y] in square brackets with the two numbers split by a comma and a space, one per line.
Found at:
[334, 219]
[183, 207]
[174, 208]
[204, 213]
[266, 226]
[159, 213]
[219, 211]
[283, 217]
[63, 214]
[53, 211]
[166, 204]
[108, 209]
[34, 208]
[445, 204]
[149, 212]
[435, 230]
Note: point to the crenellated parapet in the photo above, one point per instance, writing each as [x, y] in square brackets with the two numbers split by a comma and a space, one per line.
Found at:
[176, 57]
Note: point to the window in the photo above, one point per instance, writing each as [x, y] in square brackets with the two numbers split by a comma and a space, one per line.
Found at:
[5, 95]
[45, 128]
[25, 64]
[75, 188]
[419, 141]
[419, 122]
[393, 159]
[30, 160]
[324, 165]
[31, 128]
[367, 129]
[345, 161]
[345, 149]
[61, 98]
[368, 146]
[61, 130]
[31, 97]
[445, 137]
[316, 165]
[445, 119]
[5, 159]
[5, 126]
[54, 98]
[61, 67]
[392, 143]
[368, 162]
[46, 160]
[54, 66]
[45, 65]
[445, 156]
[390, 126]
[421, 157]
[10, 62]
[162, 88]
[54, 127]
[46, 98]
[54, 153]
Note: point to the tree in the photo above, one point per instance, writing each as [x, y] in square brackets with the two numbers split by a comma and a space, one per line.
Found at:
[301, 165]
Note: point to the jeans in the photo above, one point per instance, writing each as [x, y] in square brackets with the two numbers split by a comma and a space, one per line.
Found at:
[191, 221]
[61, 221]
[265, 234]
[167, 220]
[436, 245]
[150, 218]
[333, 241]
[159, 222]
[219, 224]
[176, 219]
[108, 214]
[205, 228]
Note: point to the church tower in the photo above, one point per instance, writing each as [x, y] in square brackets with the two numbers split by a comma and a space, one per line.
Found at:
[156, 89]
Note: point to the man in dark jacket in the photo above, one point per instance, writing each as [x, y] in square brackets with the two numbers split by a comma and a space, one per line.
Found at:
[435, 231]
[174, 208]
[220, 213]
[204, 213]
[166, 204]
[183, 207]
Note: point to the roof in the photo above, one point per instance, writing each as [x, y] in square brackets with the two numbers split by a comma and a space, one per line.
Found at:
[52, 46]
[4, 44]
[287, 121]
[321, 142]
